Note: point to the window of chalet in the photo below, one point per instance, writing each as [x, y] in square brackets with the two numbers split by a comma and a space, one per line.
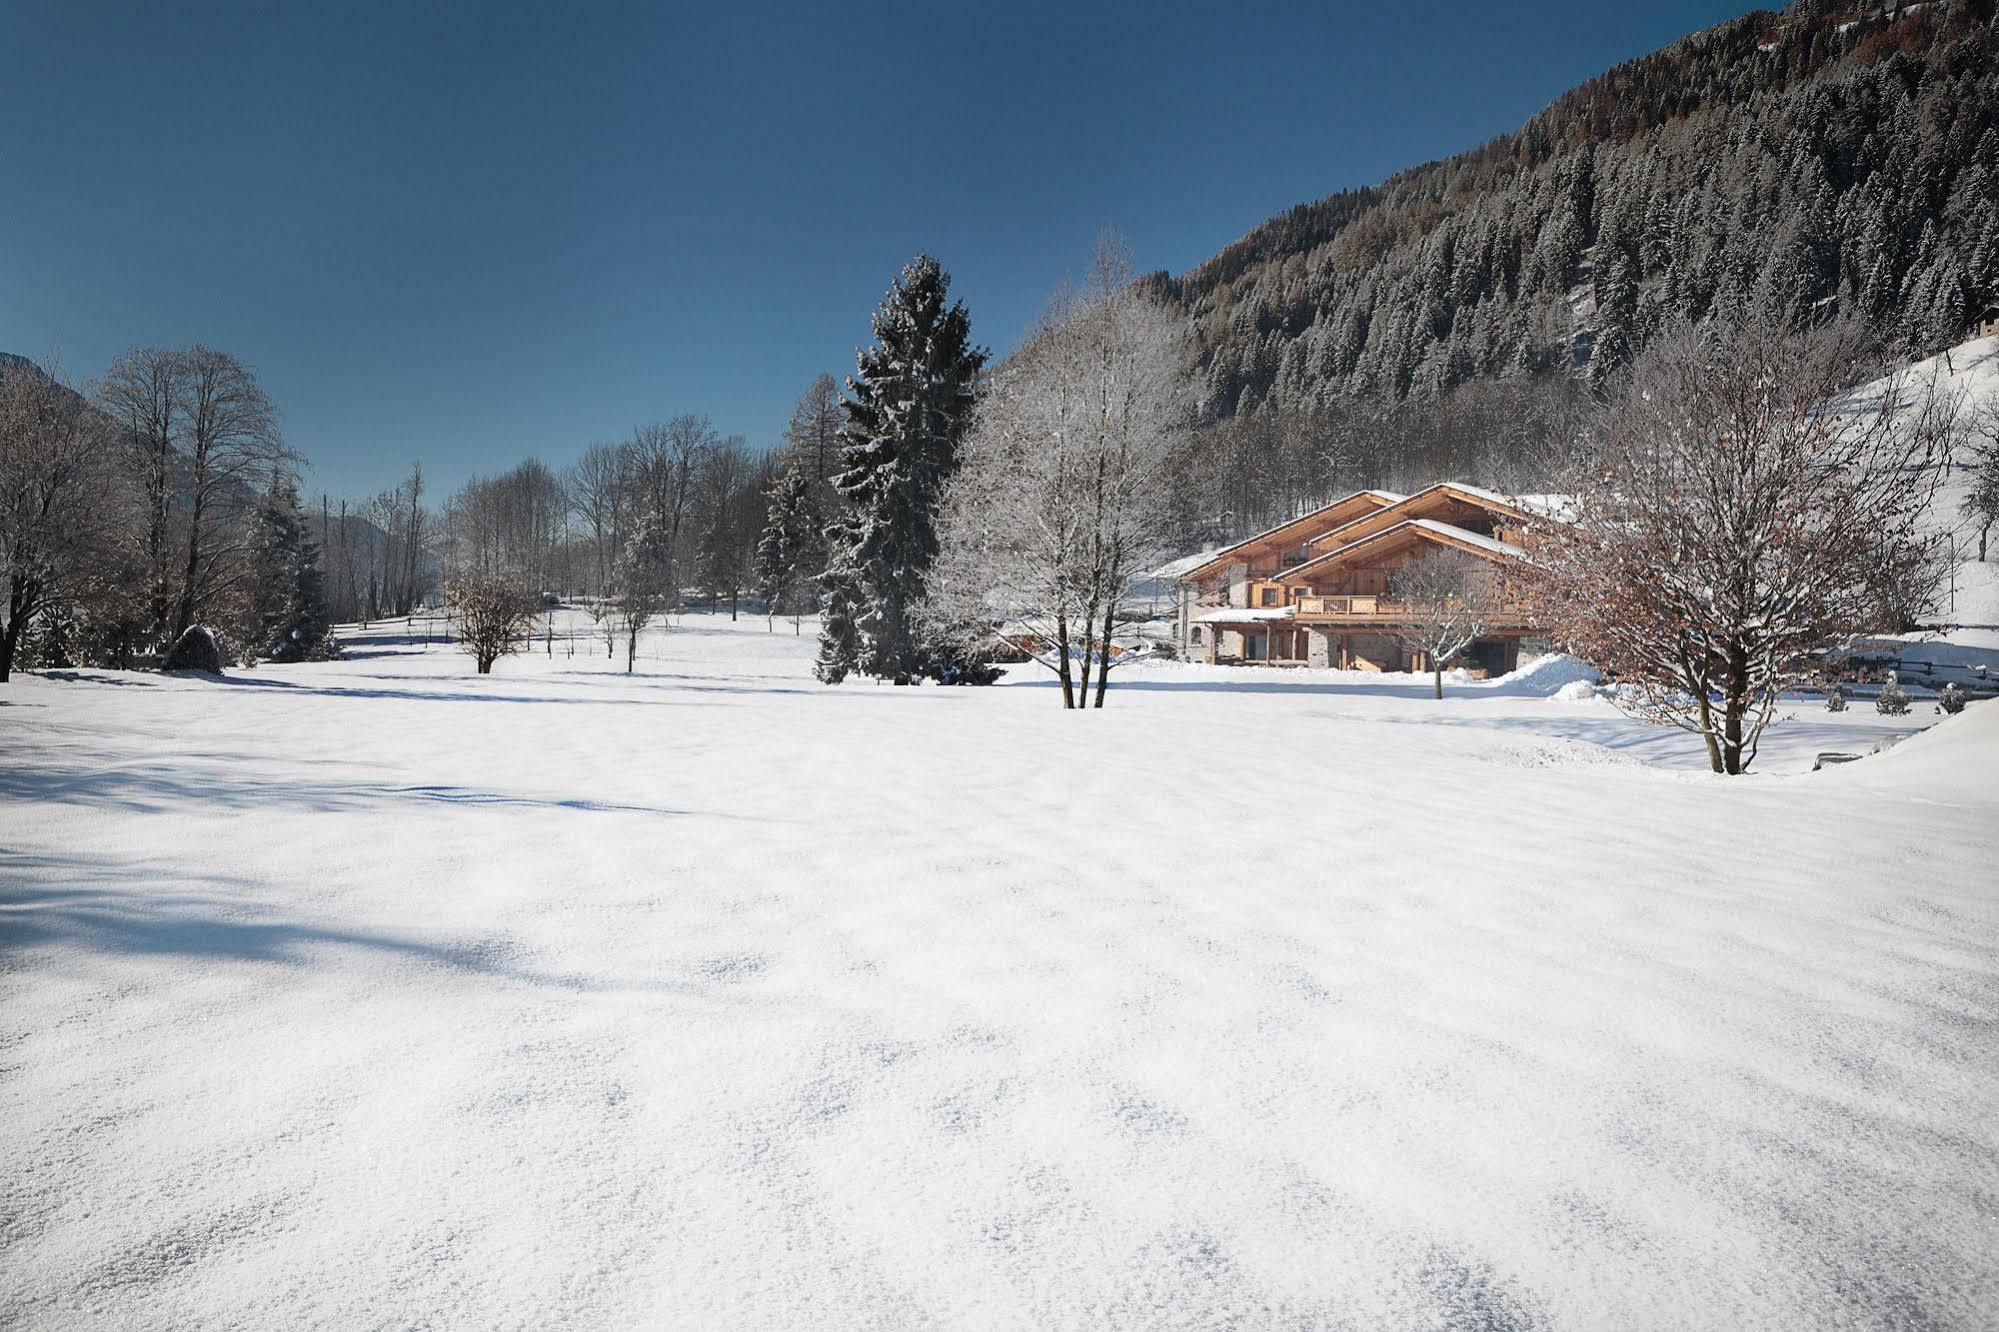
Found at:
[1195, 637]
[1271, 596]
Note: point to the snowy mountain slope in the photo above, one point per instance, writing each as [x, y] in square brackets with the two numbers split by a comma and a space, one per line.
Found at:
[1967, 624]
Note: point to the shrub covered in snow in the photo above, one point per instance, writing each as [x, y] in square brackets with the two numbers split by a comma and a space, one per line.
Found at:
[1951, 701]
[1835, 699]
[195, 650]
[1893, 700]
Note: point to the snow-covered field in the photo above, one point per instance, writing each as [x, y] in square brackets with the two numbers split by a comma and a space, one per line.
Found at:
[379, 994]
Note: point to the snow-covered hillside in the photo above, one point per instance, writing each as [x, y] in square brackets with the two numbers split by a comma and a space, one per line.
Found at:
[1969, 617]
[382, 994]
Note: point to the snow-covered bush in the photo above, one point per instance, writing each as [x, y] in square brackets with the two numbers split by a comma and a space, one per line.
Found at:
[1951, 701]
[197, 649]
[1835, 699]
[1893, 700]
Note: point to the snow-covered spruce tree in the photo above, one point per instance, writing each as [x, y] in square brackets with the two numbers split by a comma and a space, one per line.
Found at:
[641, 585]
[792, 550]
[288, 615]
[1448, 597]
[1734, 514]
[496, 609]
[839, 609]
[1950, 700]
[1059, 500]
[907, 404]
[1835, 699]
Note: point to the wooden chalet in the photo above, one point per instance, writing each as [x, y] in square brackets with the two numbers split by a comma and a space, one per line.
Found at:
[1316, 591]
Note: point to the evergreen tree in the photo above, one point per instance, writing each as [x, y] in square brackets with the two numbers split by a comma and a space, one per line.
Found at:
[1893, 700]
[792, 550]
[906, 406]
[289, 620]
[840, 611]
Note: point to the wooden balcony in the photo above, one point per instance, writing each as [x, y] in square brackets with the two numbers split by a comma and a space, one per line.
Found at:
[1343, 608]
[1381, 610]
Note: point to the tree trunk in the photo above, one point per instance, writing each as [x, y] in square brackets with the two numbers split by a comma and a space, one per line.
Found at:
[10, 640]
[184, 611]
[1062, 661]
[1104, 666]
[1734, 703]
[1437, 675]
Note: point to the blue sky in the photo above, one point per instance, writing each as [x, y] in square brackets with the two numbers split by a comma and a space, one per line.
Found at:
[469, 233]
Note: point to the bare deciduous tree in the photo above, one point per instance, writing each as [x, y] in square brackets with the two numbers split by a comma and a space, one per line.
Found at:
[667, 461]
[1980, 506]
[1447, 599]
[55, 494]
[143, 392]
[597, 485]
[1058, 501]
[1736, 513]
[496, 611]
[228, 440]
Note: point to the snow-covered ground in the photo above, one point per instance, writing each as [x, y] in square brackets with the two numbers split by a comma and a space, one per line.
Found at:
[380, 994]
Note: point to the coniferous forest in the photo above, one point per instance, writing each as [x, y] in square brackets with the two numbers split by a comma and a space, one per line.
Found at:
[1831, 160]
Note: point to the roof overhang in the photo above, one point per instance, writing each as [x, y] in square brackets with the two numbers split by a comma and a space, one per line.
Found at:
[1360, 503]
[1408, 532]
[1381, 519]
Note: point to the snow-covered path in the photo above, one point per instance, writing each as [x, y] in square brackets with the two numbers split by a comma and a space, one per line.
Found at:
[381, 994]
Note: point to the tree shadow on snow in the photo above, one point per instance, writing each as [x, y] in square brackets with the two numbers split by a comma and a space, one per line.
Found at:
[139, 908]
[294, 688]
[234, 782]
[1411, 690]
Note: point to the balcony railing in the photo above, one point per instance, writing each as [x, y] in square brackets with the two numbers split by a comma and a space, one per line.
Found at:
[1367, 608]
[1381, 609]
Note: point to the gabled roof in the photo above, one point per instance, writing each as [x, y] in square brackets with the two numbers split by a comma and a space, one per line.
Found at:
[1422, 529]
[1376, 499]
[1412, 506]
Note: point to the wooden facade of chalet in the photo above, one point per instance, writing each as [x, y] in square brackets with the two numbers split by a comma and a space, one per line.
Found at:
[1317, 591]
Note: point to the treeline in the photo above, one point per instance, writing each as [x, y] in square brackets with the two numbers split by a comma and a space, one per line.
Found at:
[164, 500]
[1832, 160]
[694, 495]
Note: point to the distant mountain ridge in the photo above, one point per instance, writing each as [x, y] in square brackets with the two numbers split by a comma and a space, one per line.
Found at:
[1832, 156]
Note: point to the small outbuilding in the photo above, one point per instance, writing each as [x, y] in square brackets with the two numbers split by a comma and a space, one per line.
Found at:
[1987, 323]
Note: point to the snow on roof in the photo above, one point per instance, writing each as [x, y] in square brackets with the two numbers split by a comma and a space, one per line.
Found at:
[1186, 564]
[1510, 501]
[1244, 614]
[1492, 544]
[1387, 497]
[1443, 529]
